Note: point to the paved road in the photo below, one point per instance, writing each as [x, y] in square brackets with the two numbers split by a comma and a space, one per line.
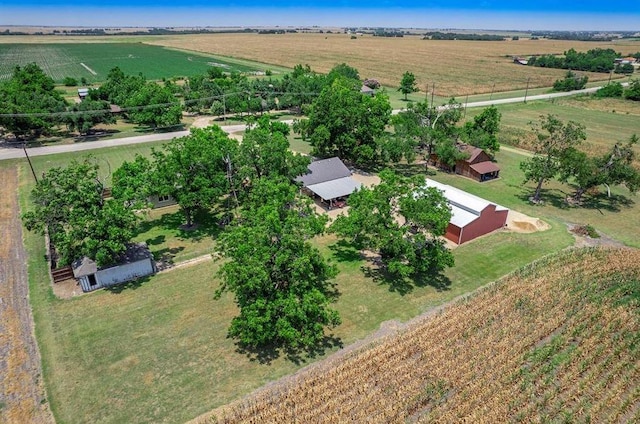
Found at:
[15, 152]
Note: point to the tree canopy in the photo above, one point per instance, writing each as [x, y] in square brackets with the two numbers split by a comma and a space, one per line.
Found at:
[280, 282]
[402, 220]
[68, 204]
[615, 167]
[555, 142]
[194, 169]
[344, 122]
[408, 84]
[483, 130]
[30, 91]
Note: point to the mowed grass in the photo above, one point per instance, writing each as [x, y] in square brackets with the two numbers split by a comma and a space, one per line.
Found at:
[157, 351]
[457, 68]
[65, 60]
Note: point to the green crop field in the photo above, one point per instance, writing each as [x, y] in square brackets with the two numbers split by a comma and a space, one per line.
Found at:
[93, 61]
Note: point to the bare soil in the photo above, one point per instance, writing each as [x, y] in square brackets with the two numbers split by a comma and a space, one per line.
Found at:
[22, 395]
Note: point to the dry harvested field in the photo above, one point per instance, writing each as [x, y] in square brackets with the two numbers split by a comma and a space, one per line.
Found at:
[456, 67]
[557, 341]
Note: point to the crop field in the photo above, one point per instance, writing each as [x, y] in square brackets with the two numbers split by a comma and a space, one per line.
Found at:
[557, 341]
[94, 60]
[457, 68]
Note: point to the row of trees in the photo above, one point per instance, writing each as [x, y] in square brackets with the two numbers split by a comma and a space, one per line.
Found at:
[557, 156]
[615, 89]
[343, 122]
[595, 60]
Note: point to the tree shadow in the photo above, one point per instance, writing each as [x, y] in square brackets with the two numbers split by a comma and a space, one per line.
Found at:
[344, 251]
[410, 170]
[95, 135]
[129, 285]
[599, 202]
[207, 225]
[164, 257]
[265, 355]
[405, 285]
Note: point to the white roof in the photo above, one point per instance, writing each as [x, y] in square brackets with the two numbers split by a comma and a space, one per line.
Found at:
[335, 188]
[465, 207]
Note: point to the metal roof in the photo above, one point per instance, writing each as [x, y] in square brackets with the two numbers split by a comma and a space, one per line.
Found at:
[465, 207]
[324, 170]
[335, 188]
[485, 167]
[135, 252]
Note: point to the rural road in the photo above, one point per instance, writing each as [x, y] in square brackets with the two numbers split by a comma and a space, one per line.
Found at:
[14, 152]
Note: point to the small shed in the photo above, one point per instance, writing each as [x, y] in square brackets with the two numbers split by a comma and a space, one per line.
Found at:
[160, 201]
[328, 179]
[135, 262]
[83, 93]
[471, 216]
[367, 91]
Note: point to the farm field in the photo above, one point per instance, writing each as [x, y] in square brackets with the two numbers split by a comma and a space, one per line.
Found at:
[457, 67]
[607, 120]
[93, 61]
[556, 341]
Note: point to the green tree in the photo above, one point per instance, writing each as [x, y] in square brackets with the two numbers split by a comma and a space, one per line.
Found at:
[555, 141]
[70, 82]
[613, 168]
[194, 169]
[87, 114]
[570, 82]
[408, 84]
[482, 131]
[280, 282]
[68, 204]
[132, 182]
[30, 101]
[264, 152]
[343, 70]
[153, 105]
[613, 89]
[346, 123]
[402, 220]
[633, 91]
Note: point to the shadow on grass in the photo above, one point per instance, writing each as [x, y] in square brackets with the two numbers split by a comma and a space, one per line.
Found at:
[267, 354]
[410, 170]
[95, 136]
[599, 202]
[207, 224]
[344, 251]
[130, 285]
[404, 285]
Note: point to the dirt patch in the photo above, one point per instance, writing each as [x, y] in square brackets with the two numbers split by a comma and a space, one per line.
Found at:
[521, 223]
[67, 289]
[22, 396]
[583, 240]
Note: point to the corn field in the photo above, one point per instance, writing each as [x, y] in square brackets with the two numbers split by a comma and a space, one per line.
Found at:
[557, 341]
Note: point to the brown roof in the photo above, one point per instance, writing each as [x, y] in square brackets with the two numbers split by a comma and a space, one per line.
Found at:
[474, 152]
[485, 167]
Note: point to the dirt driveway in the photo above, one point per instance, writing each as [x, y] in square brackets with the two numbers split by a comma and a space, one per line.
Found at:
[21, 388]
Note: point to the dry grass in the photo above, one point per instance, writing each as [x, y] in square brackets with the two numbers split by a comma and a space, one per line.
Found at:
[556, 341]
[456, 67]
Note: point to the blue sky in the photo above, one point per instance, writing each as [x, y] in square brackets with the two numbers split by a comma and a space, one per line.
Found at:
[485, 14]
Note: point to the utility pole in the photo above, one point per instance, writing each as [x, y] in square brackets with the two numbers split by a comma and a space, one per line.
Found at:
[526, 90]
[433, 89]
[492, 88]
[465, 106]
[29, 160]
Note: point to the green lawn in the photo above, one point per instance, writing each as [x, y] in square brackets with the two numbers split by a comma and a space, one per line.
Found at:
[157, 351]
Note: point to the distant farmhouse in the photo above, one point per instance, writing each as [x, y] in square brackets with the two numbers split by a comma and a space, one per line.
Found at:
[329, 180]
[471, 216]
[135, 262]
